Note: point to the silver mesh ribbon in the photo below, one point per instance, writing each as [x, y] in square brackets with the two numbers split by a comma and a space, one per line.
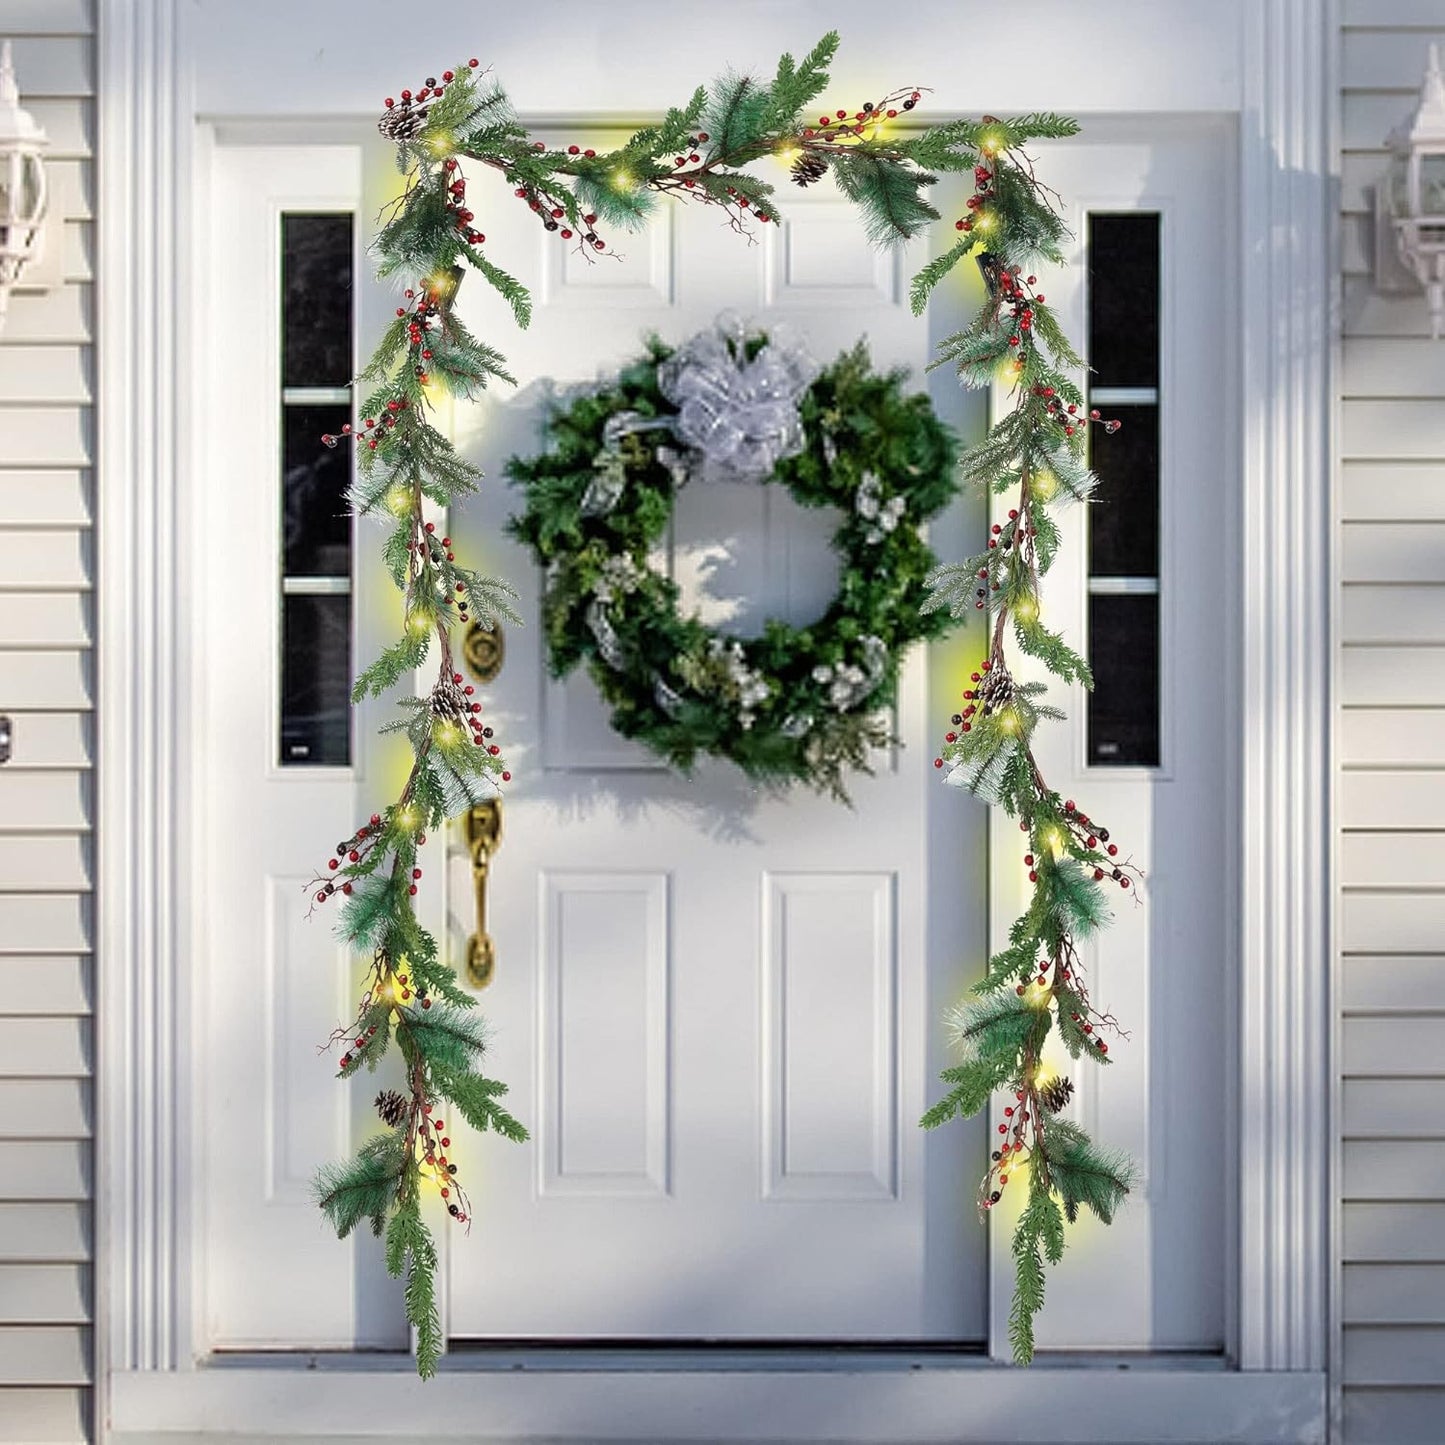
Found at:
[607, 644]
[741, 415]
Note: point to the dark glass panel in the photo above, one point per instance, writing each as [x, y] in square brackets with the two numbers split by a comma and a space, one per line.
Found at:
[316, 680]
[1124, 705]
[315, 519]
[316, 285]
[1124, 519]
[1124, 299]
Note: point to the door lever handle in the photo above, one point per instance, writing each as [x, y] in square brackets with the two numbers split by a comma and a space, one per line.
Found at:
[484, 837]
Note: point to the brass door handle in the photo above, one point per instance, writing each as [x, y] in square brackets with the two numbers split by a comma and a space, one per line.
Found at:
[484, 837]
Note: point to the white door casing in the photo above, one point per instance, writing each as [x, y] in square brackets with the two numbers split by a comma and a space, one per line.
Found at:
[718, 1011]
[1151, 1279]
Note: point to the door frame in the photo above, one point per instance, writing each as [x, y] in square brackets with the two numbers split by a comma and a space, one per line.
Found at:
[149, 1373]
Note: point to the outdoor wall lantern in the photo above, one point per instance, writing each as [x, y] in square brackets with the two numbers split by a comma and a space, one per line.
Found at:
[22, 184]
[1410, 201]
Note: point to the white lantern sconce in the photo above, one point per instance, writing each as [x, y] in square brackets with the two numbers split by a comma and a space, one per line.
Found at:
[23, 189]
[1410, 202]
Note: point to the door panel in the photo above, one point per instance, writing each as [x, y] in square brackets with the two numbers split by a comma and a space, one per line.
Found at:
[714, 1007]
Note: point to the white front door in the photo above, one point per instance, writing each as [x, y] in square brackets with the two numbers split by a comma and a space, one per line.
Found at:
[718, 1011]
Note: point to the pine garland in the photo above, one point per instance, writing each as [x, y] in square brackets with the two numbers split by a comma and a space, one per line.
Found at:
[698, 152]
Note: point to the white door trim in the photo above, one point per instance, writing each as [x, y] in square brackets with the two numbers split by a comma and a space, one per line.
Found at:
[148, 1282]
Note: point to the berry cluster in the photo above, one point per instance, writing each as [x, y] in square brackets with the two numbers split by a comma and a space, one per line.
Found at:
[434, 1146]
[385, 422]
[405, 121]
[354, 849]
[983, 191]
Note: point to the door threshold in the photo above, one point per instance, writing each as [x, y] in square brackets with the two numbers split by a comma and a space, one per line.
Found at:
[707, 1357]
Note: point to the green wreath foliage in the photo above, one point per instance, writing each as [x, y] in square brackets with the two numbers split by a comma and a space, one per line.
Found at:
[685, 689]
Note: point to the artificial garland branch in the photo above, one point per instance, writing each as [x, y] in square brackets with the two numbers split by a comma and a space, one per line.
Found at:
[698, 152]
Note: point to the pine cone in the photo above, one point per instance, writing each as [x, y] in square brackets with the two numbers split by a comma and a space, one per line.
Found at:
[402, 122]
[996, 690]
[448, 701]
[1054, 1095]
[809, 167]
[391, 1106]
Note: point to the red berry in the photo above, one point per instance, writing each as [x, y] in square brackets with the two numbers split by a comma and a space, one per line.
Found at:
[1029, 859]
[589, 152]
[354, 856]
[573, 150]
[1103, 1047]
[390, 102]
[346, 888]
[1003, 1128]
[506, 777]
[416, 872]
[412, 889]
[474, 63]
[446, 1143]
[446, 1193]
[591, 218]
[1088, 1028]
[702, 135]
[494, 750]
[1123, 883]
[406, 95]
[1008, 1113]
[1113, 849]
[334, 863]
[566, 234]
[1098, 873]
[1033, 877]
[448, 76]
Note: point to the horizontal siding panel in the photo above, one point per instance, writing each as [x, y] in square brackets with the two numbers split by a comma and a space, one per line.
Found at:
[61, 559]
[1392, 800]
[1377, 1356]
[1385, 1109]
[1377, 615]
[46, 681]
[52, 862]
[1388, 923]
[1393, 1169]
[45, 923]
[1392, 1417]
[57, 1232]
[1382, 1294]
[1360, 172]
[1411, 737]
[77, 257]
[1373, 676]
[53, 65]
[45, 619]
[1392, 552]
[1407, 367]
[1391, 492]
[44, 374]
[64, 313]
[1375, 13]
[1368, 117]
[59, 1355]
[44, 1294]
[1392, 860]
[1367, 312]
[1357, 255]
[1394, 1232]
[51, 740]
[56, 497]
[49, 17]
[44, 1047]
[46, 1168]
[70, 124]
[45, 1109]
[46, 436]
[1383, 59]
[1408, 429]
[44, 799]
[1397, 1048]
[72, 190]
[1371, 982]
[47, 984]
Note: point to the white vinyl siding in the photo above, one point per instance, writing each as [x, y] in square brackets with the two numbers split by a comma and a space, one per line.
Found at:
[1391, 793]
[47, 688]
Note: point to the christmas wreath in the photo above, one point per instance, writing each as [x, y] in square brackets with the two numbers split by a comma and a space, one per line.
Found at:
[795, 704]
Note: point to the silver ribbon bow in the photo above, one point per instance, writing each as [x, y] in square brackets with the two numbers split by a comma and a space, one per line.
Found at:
[741, 415]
